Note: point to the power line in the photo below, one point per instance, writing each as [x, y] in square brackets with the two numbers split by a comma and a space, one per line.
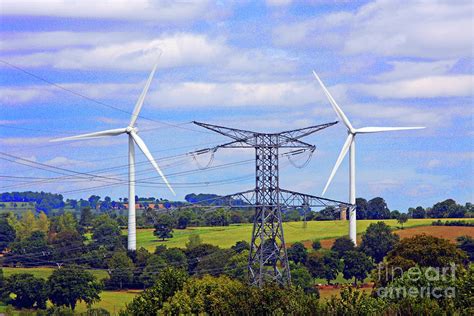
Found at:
[58, 86]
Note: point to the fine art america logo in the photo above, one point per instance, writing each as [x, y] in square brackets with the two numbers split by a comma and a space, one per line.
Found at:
[431, 282]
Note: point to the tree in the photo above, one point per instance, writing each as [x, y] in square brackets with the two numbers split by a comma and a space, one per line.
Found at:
[316, 245]
[428, 251]
[466, 243]
[106, 231]
[150, 301]
[447, 208]
[297, 253]
[237, 266]
[213, 263]
[154, 265]
[194, 240]
[361, 208]
[67, 244]
[34, 244]
[175, 257]
[219, 217]
[86, 217]
[42, 224]
[418, 212]
[395, 214]
[356, 265]
[164, 227]
[240, 246]
[402, 219]
[93, 200]
[224, 296]
[121, 270]
[324, 265]
[7, 233]
[196, 253]
[28, 291]
[378, 240]
[342, 245]
[301, 277]
[377, 209]
[71, 284]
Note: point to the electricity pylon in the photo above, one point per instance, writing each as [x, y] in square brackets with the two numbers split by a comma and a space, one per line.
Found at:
[268, 260]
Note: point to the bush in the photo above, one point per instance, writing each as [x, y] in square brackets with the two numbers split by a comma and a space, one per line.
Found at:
[316, 245]
[452, 223]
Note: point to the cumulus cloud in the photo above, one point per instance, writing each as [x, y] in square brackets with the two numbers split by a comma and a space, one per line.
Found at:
[61, 161]
[18, 95]
[148, 10]
[436, 29]
[415, 69]
[404, 114]
[425, 87]
[124, 51]
[235, 94]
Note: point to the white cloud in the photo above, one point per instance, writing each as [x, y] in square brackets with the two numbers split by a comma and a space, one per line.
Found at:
[436, 29]
[427, 29]
[148, 10]
[278, 3]
[23, 141]
[19, 95]
[127, 52]
[234, 94]
[411, 69]
[425, 87]
[402, 114]
[179, 49]
[19, 41]
[61, 161]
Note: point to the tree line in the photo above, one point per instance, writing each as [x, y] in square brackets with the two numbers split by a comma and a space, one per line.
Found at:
[375, 208]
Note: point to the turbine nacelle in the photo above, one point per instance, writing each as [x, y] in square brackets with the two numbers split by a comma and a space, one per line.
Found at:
[131, 129]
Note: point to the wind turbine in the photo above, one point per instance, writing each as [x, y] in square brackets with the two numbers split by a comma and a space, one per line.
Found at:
[133, 139]
[350, 145]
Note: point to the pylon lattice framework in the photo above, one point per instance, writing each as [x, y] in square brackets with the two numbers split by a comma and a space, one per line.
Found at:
[268, 260]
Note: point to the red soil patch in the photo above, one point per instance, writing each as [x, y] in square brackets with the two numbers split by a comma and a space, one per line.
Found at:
[446, 232]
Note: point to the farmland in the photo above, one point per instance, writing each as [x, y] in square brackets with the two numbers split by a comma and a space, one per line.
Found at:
[294, 231]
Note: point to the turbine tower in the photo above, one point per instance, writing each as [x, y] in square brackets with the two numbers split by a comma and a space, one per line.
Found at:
[133, 139]
[349, 145]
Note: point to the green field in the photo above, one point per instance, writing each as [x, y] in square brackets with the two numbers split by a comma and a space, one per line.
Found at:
[113, 301]
[44, 272]
[227, 236]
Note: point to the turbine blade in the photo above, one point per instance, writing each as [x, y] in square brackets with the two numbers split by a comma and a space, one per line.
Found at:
[141, 99]
[365, 130]
[334, 105]
[148, 155]
[110, 132]
[343, 153]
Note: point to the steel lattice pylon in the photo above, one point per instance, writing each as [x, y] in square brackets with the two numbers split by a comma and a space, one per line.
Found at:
[268, 260]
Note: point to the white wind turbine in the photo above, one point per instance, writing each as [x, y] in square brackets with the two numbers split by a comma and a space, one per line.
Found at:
[133, 139]
[350, 145]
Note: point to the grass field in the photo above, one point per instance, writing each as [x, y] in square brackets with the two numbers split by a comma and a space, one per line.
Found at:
[227, 236]
[113, 301]
[44, 272]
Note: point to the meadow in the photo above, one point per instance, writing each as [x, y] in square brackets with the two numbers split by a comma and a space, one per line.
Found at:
[294, 231]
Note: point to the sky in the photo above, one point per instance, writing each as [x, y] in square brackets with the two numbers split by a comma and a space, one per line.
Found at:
[71, 67]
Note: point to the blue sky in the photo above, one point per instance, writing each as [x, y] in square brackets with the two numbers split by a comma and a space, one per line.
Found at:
[245, 64]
